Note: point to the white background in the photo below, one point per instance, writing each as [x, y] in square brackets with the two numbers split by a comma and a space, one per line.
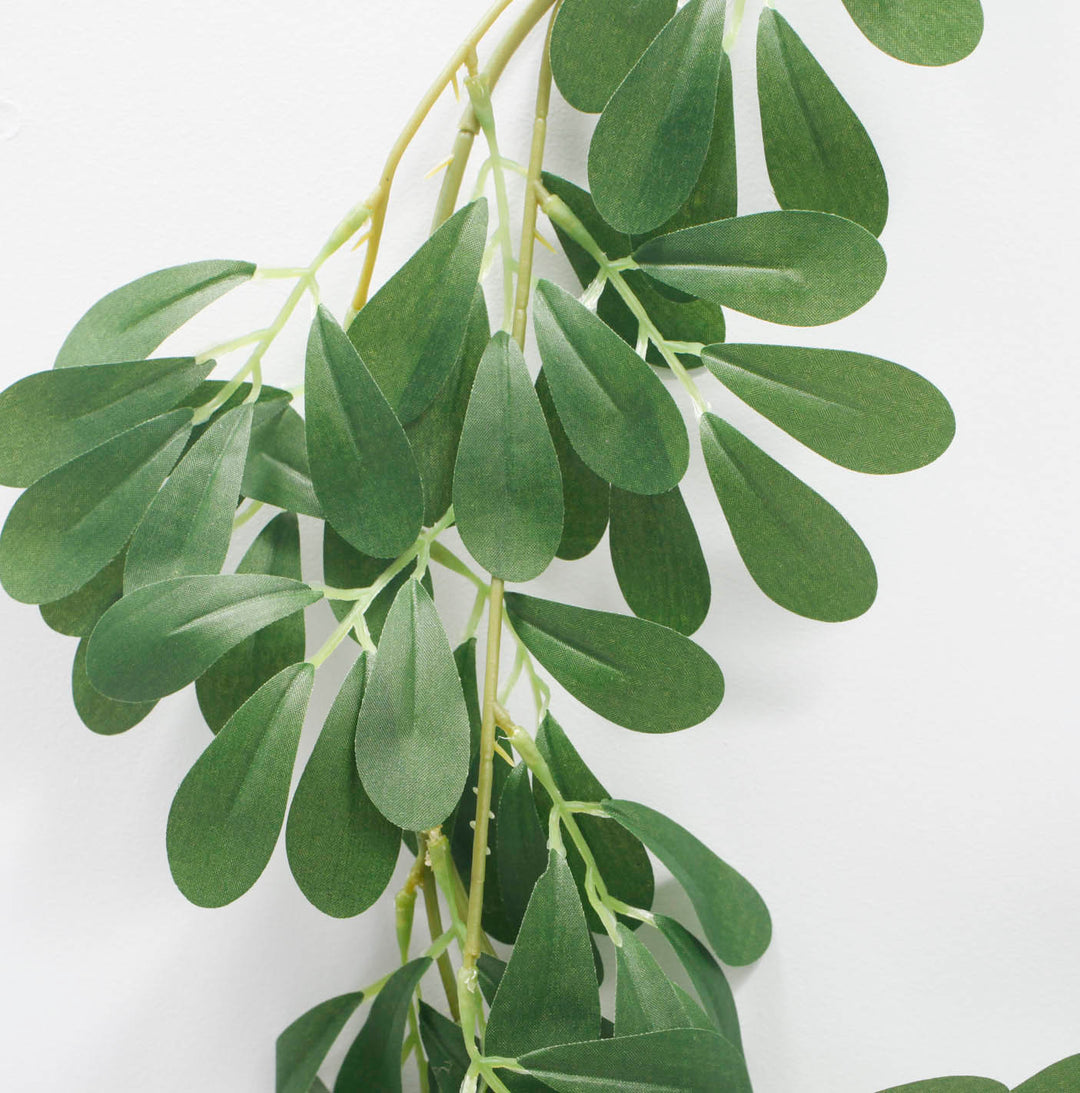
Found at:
[902, 789]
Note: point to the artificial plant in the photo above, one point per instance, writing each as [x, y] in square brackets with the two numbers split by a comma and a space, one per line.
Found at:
[417, 417]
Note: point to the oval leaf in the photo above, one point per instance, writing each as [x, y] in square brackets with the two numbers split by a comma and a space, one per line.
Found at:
[645, 999]
[595, 43]
[732, 914]
[412, 738]
[277, 471]
[224, 687]
[304, 1045]
[862, 412]
[638, 674]
[951, 1085]
[619, 417]
[341, 850]
[131, 322]
[445, 1049]
[507, 489]
[800, 551]
[362, 467]
[52, 417]
[658, 560]
[921, 32]
[70, 524]
[99, 714]
[796, 268]
[162, 637]
[1059, 1078]
[410, 331]
[818, 153]
[77, 614]
[652, 138]
[189, 525]
[227, 814]
[520, 844]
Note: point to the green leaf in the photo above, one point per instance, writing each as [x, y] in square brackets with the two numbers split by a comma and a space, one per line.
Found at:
[373, 1063]
[132, 321]
[99, 714]
[362, 467]
[673, 1061]
[70, 524]
[341, 850]
[707, 976]
[584, 493]
[410, 331]
[645, 999]
[434, 435]
[76, 614]
[951, 1085]
[650, 144]
[797, 268]
[595, 43]
[227, 814]
[489, 971]
[50, 418]
[507, 488]
[520, 844]
[638, 674]
[620, 858]
[818, 153]
[1063, 1077]
[658, 560]
[862, 412]
[412, 738]
[800, 551]
[732, 914]
[548, 993]
[304, 1045]
[445, 1049]
[162, 637]
[236, 676]
[921, 32]
[189, 524]
[277, 470]
[619, 417]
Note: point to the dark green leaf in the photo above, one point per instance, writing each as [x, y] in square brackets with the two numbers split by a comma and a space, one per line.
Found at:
[707, 976]
[52, 417]
[70, 524]
[818, 153]
[445, 1049]
[131, 322]
[341, 850]
[797, 268]
[410, 331]
[434, 435]
[362, 467]
[233, 679]
[507, 486]
[636, 673]
[658, 560]
[162, 637]
[653, 136]
[620, 858]
[733, 915]
[617, 413]
[98, 713]
[951, 1085]
[227, 814]
[277, 470]
[76, 615]
[489, 970]
[921, 32]
[595, 43]
[861, 412]
[373, 1063]
[1063, 1077]
[800, 551]
[520, 844]
[412, 739]
[584, 493]
[548, 993]
[645, 999]
[189, 524]
[673, 1061]
[303, 1046]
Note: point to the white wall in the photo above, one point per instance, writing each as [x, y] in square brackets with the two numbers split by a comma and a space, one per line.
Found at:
[902, 789]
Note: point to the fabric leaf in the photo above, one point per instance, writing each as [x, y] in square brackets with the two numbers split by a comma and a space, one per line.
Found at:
[520, 844]
[921, 32]
[278, 472]
[99, 714]
[645, 999]
[304, 1045]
